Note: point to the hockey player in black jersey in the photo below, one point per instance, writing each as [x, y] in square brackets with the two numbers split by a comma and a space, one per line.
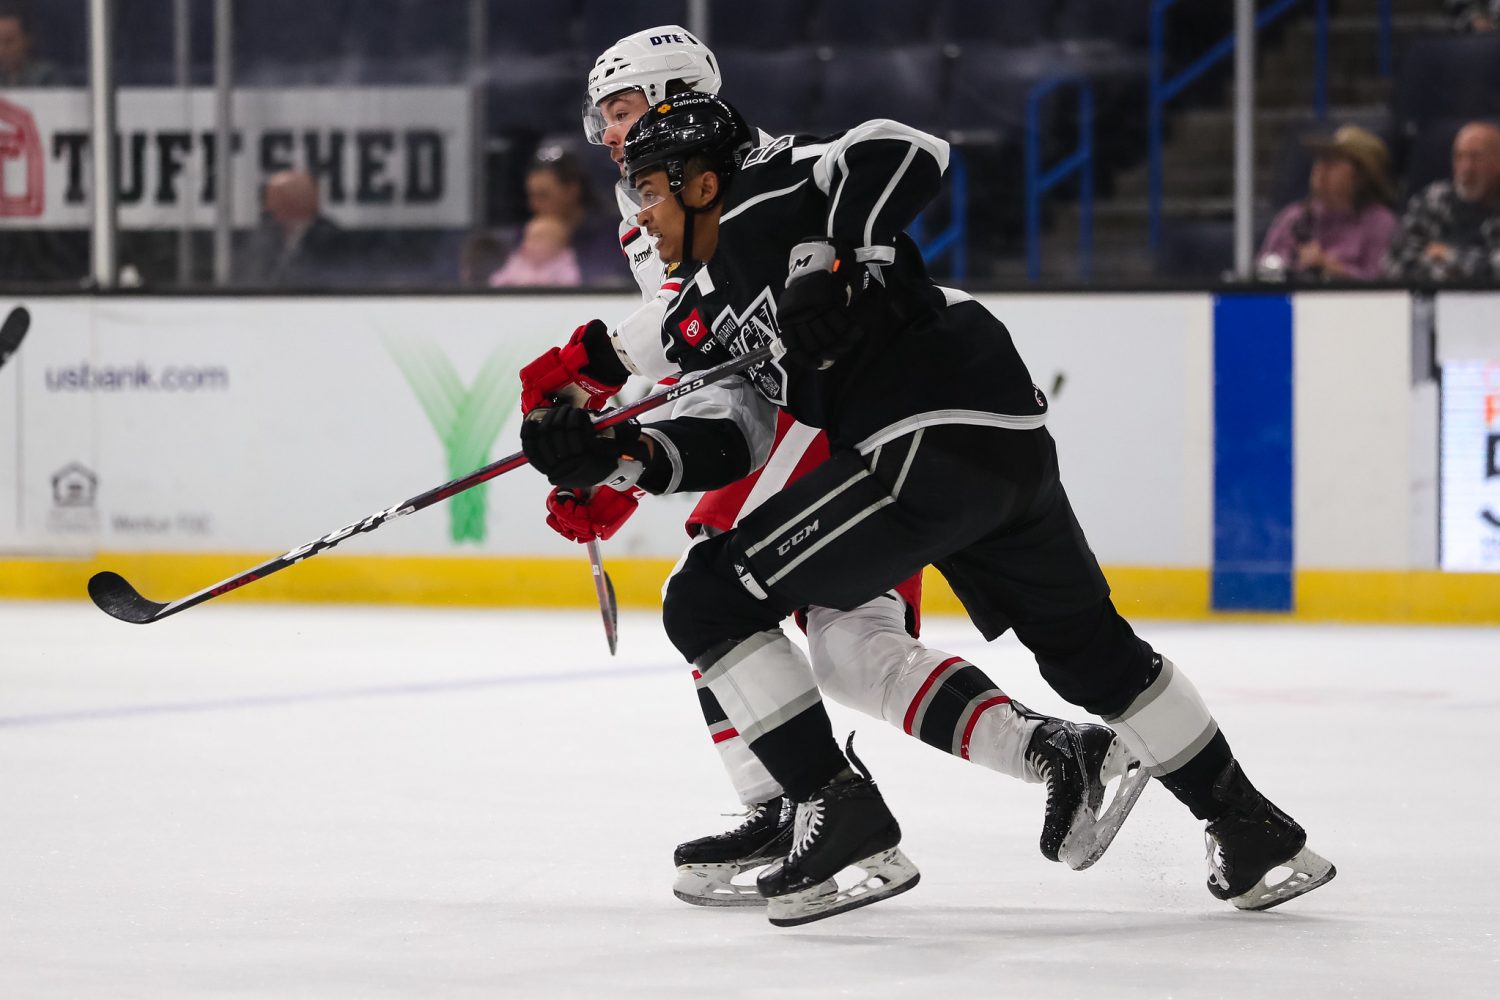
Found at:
[940, 455]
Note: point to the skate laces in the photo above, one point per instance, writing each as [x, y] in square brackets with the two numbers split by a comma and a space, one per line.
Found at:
[1217, 868]
[749, 817]
[809, 822]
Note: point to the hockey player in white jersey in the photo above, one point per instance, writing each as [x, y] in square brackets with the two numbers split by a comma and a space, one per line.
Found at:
[939, 453]
[868, 657]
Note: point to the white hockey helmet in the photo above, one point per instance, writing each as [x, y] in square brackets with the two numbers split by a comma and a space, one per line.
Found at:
[647, 61]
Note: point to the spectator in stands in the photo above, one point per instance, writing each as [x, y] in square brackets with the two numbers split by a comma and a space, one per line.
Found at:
[1343, 228]
[296, 245]
[1474, 15]
[1452, 230]
[544, 258]
[556, 186]
[17, 67]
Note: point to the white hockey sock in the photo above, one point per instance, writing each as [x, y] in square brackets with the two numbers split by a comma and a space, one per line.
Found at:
[1167, 724]
[751, 781]
[865, 659]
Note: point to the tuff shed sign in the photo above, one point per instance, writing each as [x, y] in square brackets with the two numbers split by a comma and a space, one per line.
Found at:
[383, 156]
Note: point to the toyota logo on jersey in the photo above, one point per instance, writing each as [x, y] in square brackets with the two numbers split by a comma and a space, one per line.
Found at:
[693, 329]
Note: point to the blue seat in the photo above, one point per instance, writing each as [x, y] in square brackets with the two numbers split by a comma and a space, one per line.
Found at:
[990, 84]
[1447, 76]
[1124, 22]
[767, 24]
[905, 83]
[60, 35]
[524, 27]
[775, 91]
[293, 41]
[1200, 250]
[605, 22]
[145, 51]
[871, 22]
[1014, 22]
[534, 93]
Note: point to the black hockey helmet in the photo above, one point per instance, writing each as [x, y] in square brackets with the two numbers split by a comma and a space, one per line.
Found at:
[682, 127]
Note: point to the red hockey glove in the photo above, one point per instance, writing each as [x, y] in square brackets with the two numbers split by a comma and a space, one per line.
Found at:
[599, 515]
[587, 365]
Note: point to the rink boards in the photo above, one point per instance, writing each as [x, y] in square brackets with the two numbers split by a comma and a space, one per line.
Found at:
[1248, 453]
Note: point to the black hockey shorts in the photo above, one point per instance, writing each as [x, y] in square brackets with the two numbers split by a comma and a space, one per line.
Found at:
[983, 505]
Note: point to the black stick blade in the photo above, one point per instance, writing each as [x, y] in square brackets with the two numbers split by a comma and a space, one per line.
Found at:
[611, 617]
[117, 598]
[13, 331]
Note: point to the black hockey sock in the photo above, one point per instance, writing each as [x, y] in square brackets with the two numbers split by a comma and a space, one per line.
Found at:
[801, 753]
[1193, 782]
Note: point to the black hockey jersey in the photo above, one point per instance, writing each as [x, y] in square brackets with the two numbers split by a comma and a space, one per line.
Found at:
[927, 355]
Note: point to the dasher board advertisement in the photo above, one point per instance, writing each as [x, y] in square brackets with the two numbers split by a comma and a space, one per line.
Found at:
[1471, 466]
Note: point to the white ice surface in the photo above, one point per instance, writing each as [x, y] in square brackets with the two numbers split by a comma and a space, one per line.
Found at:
[250, 801]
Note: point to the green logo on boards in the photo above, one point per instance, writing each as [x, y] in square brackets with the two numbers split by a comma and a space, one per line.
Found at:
[467, 421]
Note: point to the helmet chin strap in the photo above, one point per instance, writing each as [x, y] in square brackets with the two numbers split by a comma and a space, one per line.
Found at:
[689, 217]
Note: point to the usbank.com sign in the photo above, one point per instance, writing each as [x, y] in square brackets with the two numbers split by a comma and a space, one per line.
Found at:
[139, 377]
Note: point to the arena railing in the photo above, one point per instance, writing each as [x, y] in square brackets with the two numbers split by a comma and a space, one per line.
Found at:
[1163, 88]
[1080, 161]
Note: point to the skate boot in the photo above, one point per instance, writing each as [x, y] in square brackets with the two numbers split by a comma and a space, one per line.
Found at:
[1252, 842]
[707, 867]
[1077, 763]
[846, 824]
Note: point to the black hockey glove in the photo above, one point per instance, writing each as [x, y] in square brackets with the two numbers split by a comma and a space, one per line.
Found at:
[565, 447]
[817, 324]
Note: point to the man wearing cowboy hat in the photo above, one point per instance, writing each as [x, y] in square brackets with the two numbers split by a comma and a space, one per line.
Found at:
[1342, 228]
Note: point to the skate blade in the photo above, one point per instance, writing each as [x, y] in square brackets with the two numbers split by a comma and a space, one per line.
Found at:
[714, 885]
[888, 873]
[1087, 843]
[1308, 871]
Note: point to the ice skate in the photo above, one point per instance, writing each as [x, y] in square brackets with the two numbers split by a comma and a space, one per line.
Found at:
[1077, 763]
[1257, 854]
[707, 867]
[846, 824]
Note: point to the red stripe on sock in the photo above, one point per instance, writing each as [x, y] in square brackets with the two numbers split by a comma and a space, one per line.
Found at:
[727, 734]
[911, 710]
[697, 676]
[988, 703]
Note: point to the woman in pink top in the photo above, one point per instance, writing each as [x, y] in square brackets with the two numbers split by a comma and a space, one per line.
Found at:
[1343, 227]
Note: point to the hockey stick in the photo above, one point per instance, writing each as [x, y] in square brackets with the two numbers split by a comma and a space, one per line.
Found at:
[116, 597]
[604, 587]
[13, 331]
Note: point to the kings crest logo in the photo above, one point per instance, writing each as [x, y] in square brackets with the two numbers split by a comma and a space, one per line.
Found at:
[760, 154]
[753, 328]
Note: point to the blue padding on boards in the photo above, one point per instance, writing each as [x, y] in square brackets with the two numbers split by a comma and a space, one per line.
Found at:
[1252, 453]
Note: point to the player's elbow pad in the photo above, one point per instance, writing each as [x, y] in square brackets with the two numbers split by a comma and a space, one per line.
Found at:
[694, 454]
